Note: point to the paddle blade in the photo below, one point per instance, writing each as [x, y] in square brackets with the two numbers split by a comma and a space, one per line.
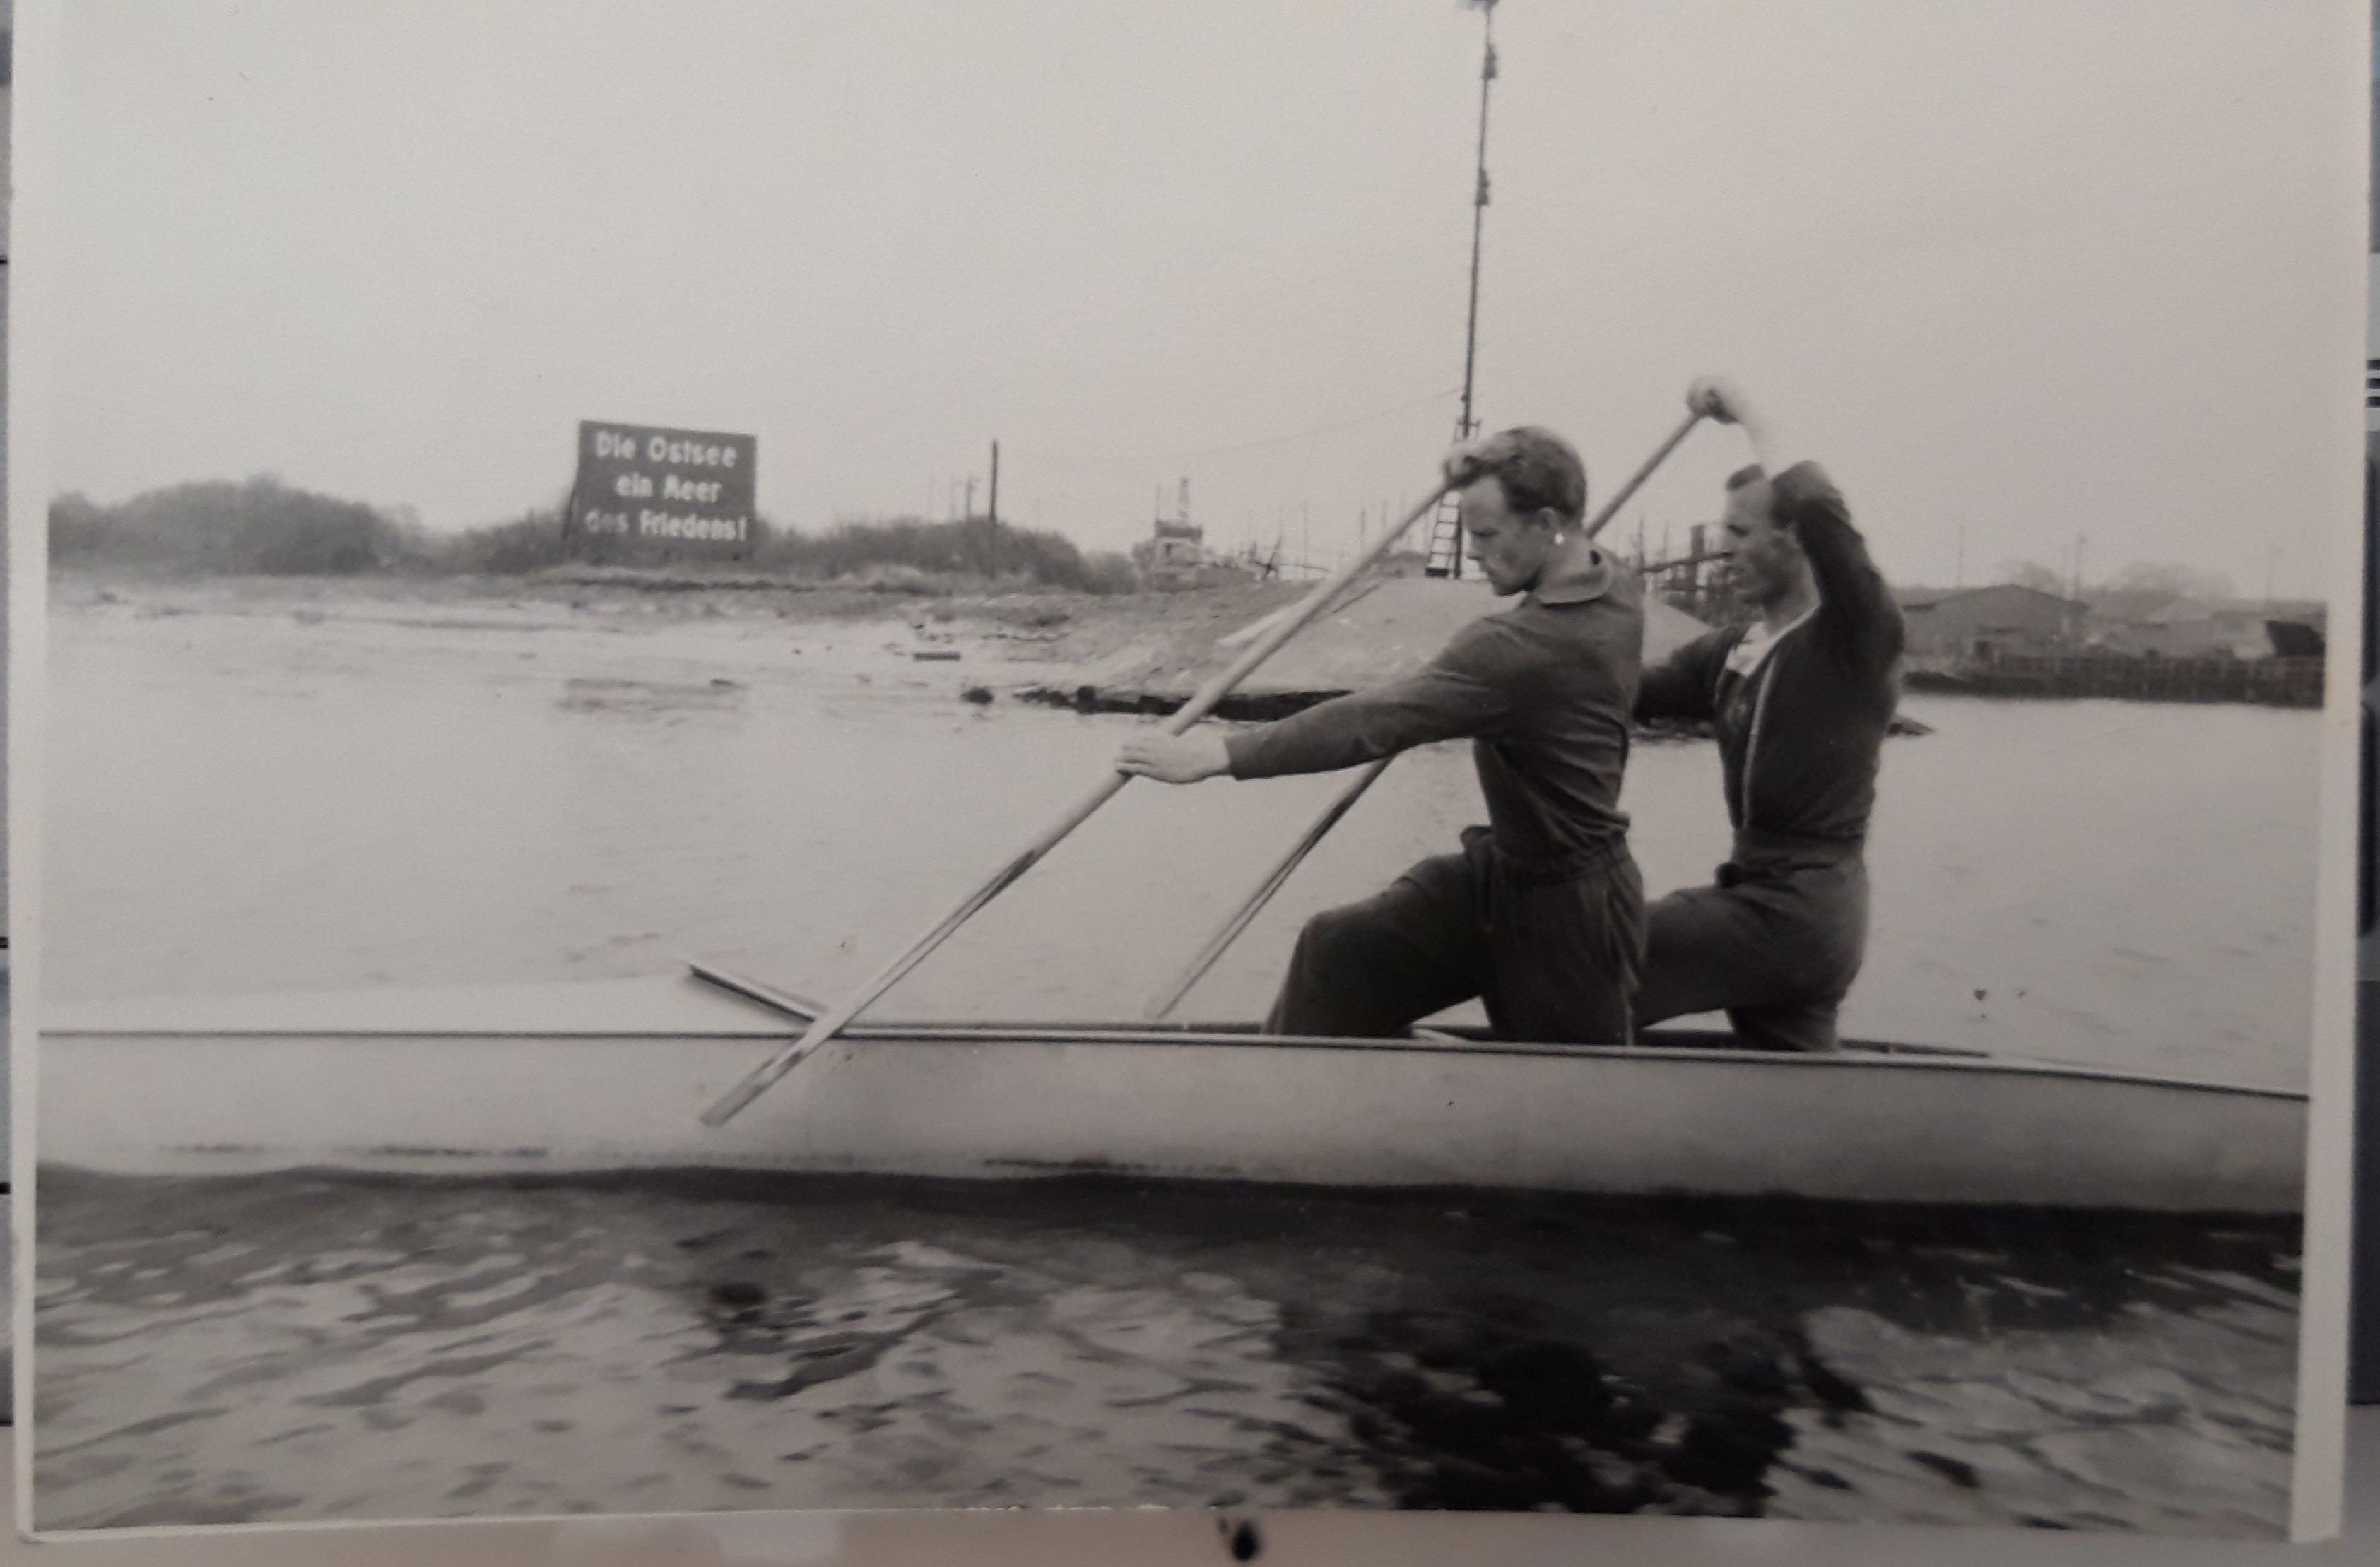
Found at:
[777, 1065]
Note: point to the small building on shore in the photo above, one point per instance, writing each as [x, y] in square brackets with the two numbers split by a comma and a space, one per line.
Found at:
[2173, 627]
[2147, 622]
[1174, 557]
[1967, 623]
[2124, 644]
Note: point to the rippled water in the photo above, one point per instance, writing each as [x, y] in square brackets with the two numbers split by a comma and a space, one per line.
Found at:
[523, 795]
[237, 1350]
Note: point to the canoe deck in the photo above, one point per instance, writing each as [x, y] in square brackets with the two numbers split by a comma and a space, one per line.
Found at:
[611, 1075]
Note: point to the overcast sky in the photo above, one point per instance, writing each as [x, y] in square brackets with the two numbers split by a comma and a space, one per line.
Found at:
[2041, 268]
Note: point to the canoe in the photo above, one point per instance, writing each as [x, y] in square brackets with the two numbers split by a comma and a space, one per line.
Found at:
[614, 1075]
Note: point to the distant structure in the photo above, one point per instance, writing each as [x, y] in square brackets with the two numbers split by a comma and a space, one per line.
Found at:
[1692, 583]
[1964, 626]
[1175, 555]
[2137, 645]
[1985, 623]
[2170, 625]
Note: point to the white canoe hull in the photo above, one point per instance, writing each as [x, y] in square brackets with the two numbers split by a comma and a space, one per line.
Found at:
[615, 1075]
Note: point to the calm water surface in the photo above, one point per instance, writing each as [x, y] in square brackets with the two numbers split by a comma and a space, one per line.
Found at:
[257, 803]
[273, 800]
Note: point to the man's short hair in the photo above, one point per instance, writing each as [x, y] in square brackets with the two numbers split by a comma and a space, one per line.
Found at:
[1538, 468]
[1751, 473]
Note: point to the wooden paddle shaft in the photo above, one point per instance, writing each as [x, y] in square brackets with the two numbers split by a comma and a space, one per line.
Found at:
[1637, 480]
[1198, 707]
[1230, 930]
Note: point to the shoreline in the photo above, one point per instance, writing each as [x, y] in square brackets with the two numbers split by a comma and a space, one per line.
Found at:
[1066, 630]
[1048, 648]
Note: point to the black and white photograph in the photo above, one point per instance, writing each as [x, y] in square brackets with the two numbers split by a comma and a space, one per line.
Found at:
[1525, 755]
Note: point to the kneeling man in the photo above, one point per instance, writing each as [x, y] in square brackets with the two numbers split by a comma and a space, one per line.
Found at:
[1542, 912]
[1802, 699]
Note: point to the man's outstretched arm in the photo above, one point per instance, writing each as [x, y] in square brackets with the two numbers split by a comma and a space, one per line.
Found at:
[1464, 692]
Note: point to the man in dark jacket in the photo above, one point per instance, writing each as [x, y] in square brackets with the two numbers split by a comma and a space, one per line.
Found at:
[1542, 912]
[1802, 699]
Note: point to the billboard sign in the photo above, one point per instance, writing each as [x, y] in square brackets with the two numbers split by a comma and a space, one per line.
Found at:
[641, 490]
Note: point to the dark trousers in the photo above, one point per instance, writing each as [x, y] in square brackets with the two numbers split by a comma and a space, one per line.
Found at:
[1554, 950]
[1775, 945]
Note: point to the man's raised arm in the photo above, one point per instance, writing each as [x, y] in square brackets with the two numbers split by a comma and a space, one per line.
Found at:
[1857, 615]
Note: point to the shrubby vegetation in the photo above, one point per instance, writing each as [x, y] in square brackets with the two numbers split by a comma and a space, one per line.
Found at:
[261, 527]
[976, 550]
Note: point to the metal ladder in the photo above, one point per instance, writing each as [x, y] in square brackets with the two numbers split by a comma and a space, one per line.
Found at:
[1446, 539]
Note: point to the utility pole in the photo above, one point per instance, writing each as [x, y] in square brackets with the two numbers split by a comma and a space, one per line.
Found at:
[1467, 423]
[994, 506]
[1470, 425]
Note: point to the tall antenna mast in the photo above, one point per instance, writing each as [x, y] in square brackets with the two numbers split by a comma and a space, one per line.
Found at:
[1445, 558]
[1470, 425]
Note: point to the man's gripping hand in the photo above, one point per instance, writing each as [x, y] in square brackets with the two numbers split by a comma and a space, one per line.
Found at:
[1175, 759]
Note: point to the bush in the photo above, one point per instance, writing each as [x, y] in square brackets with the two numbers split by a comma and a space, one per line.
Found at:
[979, 550]
[262, 527]
[257, 527]
[1112, 572]
[506, 549]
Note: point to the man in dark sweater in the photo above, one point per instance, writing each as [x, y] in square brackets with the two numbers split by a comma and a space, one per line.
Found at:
[1801, 700]
[1542, 912]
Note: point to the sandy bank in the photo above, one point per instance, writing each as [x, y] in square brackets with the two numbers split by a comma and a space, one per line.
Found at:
[1043, 628]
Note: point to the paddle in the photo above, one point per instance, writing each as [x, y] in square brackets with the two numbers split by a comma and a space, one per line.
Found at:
[1229, 931]
[1198, 707]
[801, 1009]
